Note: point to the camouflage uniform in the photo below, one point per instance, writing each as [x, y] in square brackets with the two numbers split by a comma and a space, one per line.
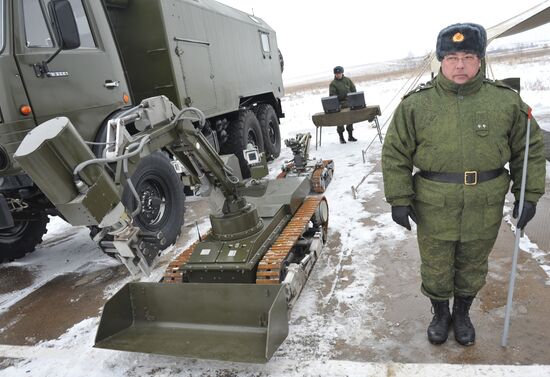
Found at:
[341, 88]
[452, 128]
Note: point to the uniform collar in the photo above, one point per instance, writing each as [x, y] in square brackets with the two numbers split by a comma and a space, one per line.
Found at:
[468, 88]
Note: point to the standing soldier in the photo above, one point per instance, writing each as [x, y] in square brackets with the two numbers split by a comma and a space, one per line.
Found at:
[459, 130]
[340, 87]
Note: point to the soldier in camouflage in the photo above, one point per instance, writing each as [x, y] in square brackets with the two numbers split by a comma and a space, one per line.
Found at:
[340, 87]
[459, 130]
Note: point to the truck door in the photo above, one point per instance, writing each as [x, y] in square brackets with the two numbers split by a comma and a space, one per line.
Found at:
[85, 84]
[193, 49]
[198, 76]
[267, 53]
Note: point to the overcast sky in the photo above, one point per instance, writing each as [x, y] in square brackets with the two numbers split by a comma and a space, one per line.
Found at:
[316, 35]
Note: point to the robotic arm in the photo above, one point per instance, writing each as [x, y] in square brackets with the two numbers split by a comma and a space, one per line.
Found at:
[78, 184]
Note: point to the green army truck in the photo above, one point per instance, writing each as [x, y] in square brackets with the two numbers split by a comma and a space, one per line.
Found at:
[197, 53]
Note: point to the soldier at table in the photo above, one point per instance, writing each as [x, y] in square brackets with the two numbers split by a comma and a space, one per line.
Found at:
[341, 86]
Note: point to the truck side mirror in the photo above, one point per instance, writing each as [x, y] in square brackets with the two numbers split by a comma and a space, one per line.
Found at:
[64, 23]
[66, 34]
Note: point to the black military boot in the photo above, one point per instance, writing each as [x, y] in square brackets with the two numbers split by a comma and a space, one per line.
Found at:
[350, 136]
[439, 327]
[465, 333]
[342, 140]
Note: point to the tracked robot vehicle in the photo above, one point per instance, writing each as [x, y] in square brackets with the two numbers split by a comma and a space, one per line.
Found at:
[227, 296]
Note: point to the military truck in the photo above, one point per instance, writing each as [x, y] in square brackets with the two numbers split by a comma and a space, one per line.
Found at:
[195, 52]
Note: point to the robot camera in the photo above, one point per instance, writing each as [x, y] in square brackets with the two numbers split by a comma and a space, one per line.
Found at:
[251, 155]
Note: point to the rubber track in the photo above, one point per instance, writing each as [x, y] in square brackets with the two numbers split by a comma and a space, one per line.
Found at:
[173, 273]
[285, 172]
[316, 177]
[271, 265]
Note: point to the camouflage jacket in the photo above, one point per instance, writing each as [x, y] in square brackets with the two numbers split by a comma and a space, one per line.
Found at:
[341, 88]
[446, 127]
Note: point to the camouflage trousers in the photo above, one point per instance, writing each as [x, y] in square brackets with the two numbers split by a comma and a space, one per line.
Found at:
[340, 129]
[349, 127]
[452, 268]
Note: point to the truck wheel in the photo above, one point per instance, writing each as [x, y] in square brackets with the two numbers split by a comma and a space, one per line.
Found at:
[22, 238]
[160, 190]
[269, 124]
[245, 129]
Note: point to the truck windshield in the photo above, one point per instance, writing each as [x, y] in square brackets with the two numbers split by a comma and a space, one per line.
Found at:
[1, 25]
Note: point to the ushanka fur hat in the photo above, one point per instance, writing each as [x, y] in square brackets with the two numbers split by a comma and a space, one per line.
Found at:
[461, 37]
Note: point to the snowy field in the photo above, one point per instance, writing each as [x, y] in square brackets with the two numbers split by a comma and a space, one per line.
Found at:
[341, 284]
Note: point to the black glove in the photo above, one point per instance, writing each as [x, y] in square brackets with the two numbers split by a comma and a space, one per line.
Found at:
[529, 210]
[401, 214]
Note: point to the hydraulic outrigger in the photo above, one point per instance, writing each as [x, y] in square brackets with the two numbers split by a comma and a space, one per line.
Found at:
[233, 288]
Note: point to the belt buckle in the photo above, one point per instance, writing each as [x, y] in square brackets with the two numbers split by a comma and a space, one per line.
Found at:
[470, 178]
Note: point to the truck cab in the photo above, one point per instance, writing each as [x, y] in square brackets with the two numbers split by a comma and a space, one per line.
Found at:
[85, 84]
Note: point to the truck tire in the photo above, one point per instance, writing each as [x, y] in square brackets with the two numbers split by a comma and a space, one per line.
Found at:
[269, 124]
[162, 198]
[22, 238]
[245, 129]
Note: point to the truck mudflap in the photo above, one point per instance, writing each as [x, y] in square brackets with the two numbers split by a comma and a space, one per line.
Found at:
[234, 322]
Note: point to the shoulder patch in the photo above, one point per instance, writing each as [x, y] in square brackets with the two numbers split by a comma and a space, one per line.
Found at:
[419, 88]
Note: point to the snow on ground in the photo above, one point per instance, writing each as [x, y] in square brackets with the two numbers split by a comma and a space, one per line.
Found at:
[541, 256]
[309, 348]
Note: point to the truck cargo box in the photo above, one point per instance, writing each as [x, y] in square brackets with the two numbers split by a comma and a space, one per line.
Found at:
[197, 53]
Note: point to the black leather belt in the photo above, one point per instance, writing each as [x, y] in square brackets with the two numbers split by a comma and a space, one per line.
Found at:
[468, 178]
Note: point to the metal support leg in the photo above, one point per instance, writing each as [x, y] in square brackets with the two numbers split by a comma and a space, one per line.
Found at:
[316, 136]
[378, 129]
[364, 151]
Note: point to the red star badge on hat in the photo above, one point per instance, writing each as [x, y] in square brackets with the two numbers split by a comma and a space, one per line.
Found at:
[458, 37]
